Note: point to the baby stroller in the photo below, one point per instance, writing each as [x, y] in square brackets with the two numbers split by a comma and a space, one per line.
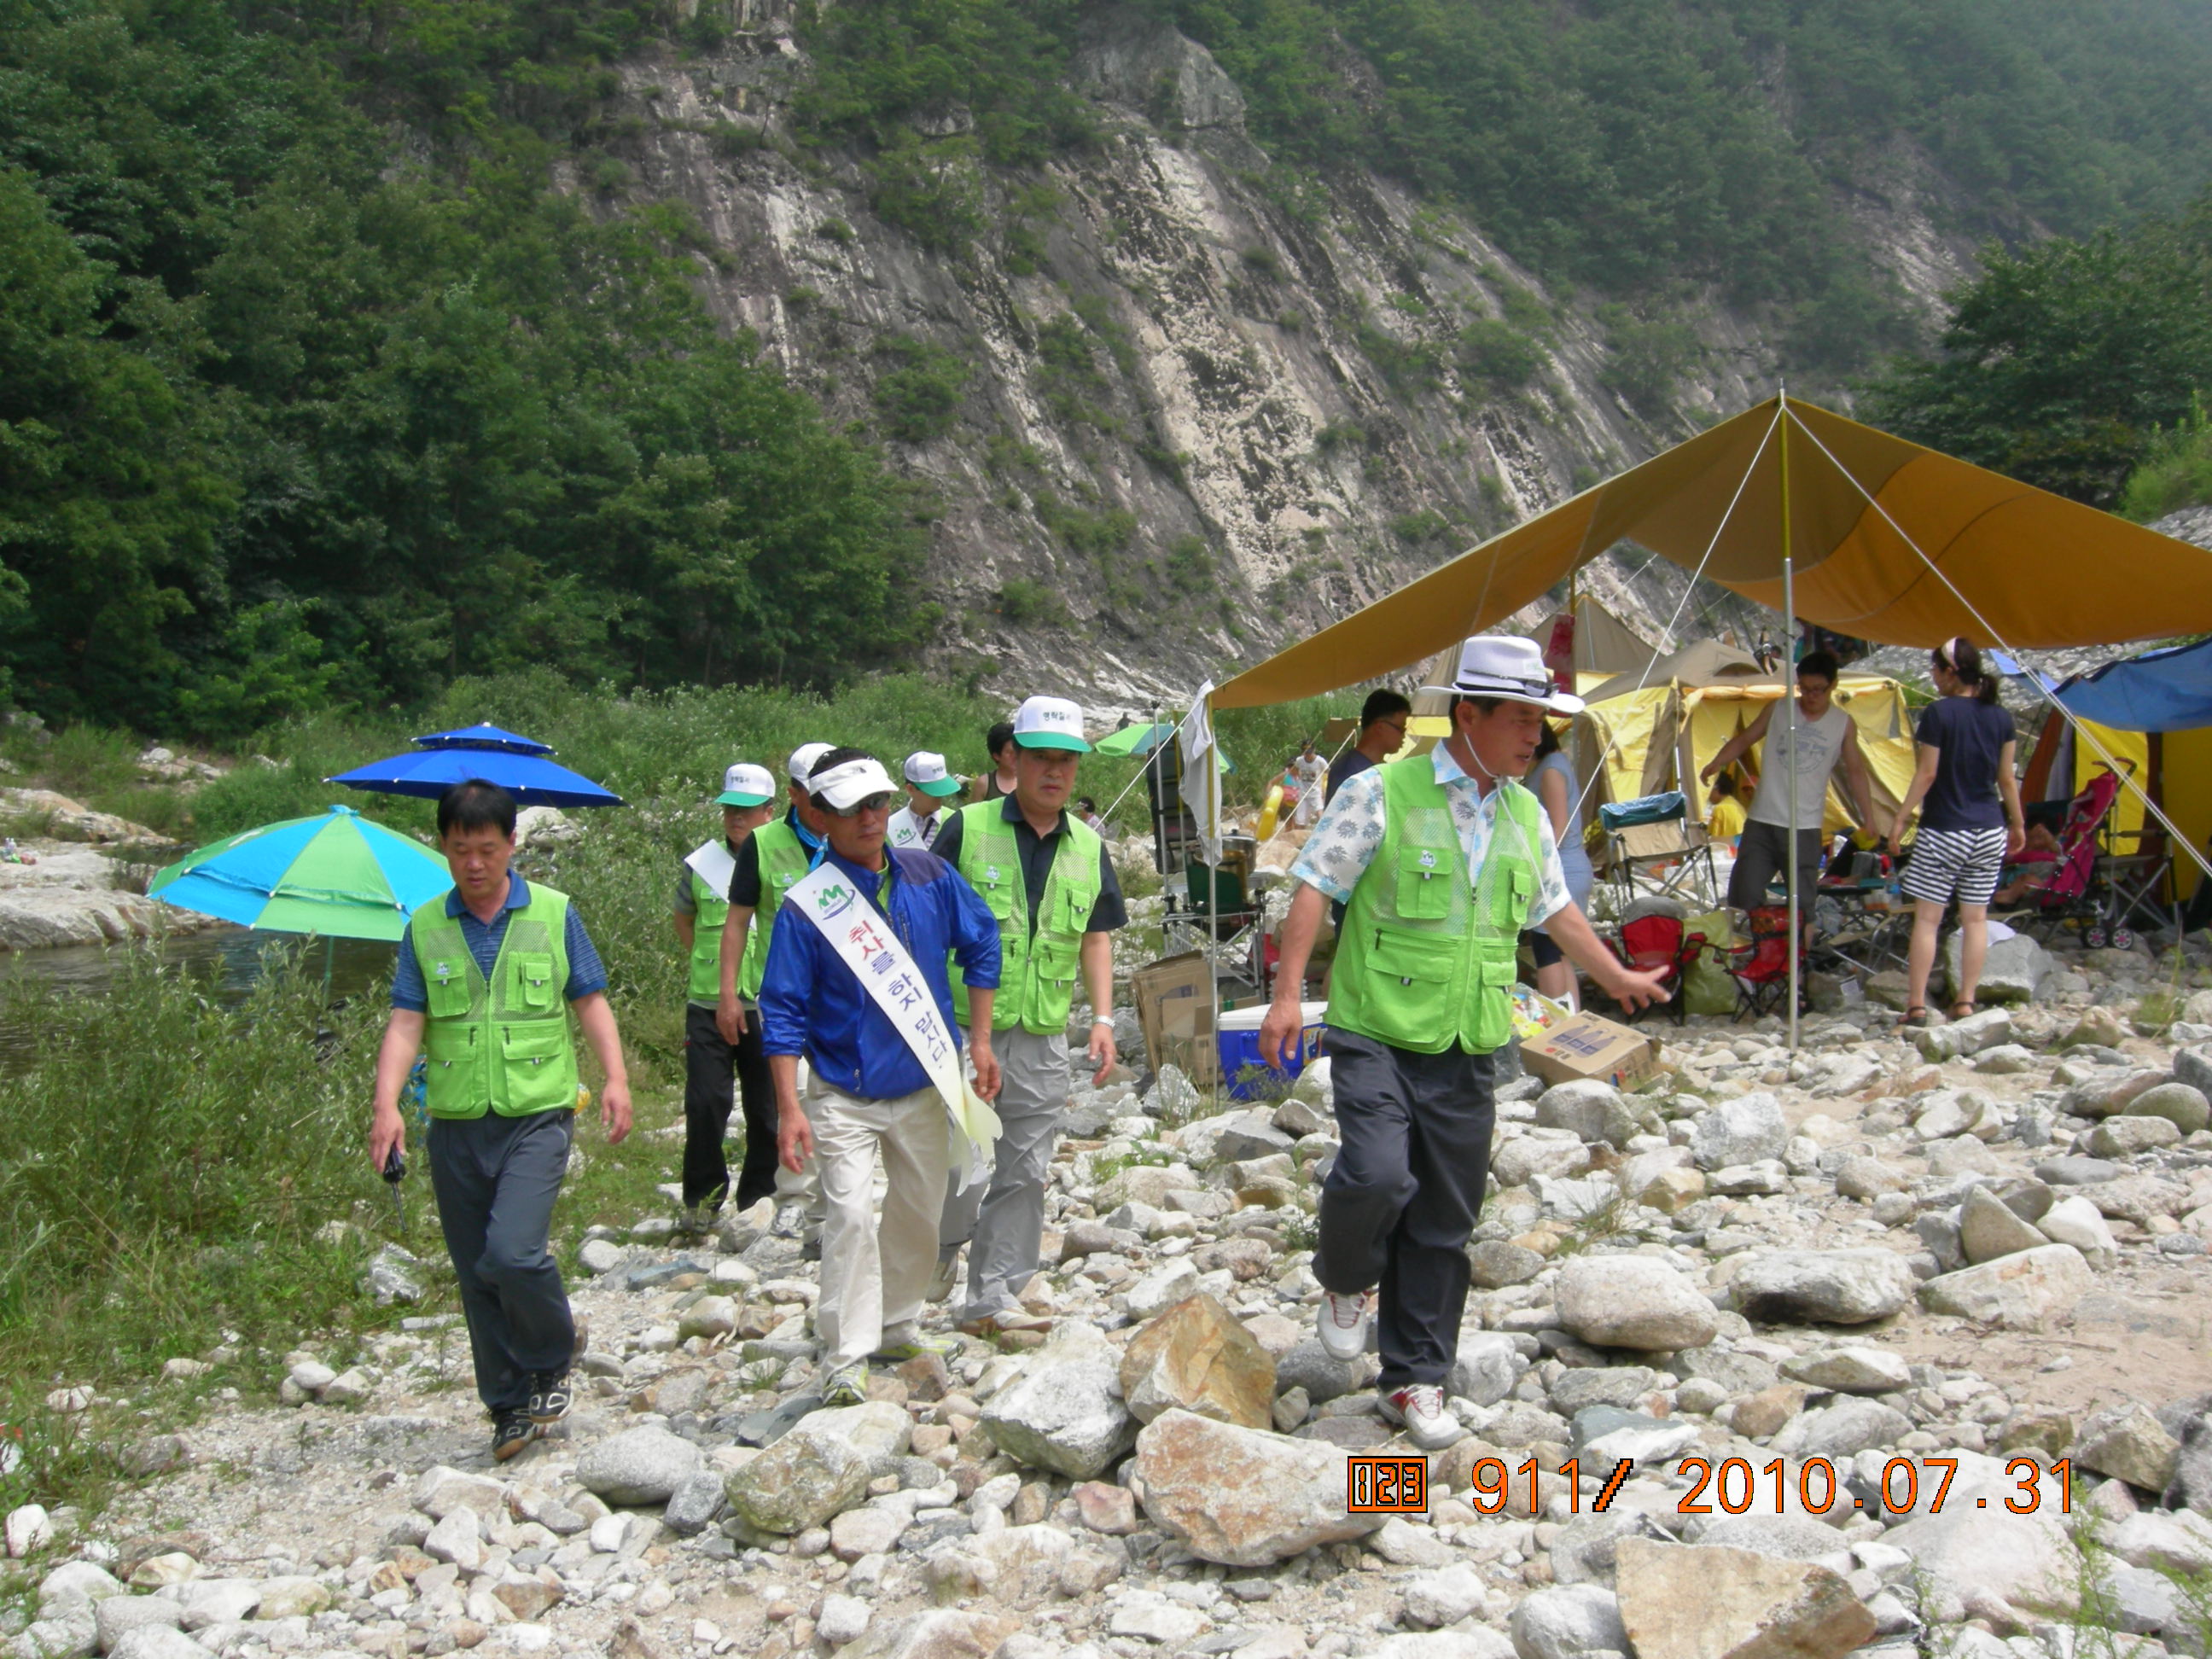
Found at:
[2084, 889]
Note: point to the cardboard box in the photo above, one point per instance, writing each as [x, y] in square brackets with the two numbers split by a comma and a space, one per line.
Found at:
[1586, 1046]
[1174, 998]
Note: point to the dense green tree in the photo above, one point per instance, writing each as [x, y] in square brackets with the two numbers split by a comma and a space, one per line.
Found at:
[2060, 365]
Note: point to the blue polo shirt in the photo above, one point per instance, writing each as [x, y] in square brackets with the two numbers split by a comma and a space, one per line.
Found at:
[812, 1004]
[586, 972]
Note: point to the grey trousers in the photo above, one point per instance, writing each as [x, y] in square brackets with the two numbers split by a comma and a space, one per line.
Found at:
[497, 1178]
[1401, 1199]
[1003, 1218]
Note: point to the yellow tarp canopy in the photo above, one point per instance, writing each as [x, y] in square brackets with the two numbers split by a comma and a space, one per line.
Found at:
[1660, 738]
[2044, 572]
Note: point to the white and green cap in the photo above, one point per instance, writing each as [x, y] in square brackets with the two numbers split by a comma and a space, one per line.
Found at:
[926, 772]
[745, 785]
[1050, 723]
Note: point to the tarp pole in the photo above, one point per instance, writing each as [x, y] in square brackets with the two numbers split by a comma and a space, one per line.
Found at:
[1789, 712]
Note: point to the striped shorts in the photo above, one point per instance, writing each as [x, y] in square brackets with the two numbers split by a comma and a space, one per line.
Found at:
[1961, 863]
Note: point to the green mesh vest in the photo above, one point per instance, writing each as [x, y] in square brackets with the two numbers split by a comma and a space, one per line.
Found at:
[1425, 960]
[784, 861]
[704, 982]
[1037, 972]
[501, 1046]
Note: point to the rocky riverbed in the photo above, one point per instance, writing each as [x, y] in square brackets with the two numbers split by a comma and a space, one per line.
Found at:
[1895, 1261]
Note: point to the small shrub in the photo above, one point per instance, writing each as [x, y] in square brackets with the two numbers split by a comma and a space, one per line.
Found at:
[1340, 434]
[1023, 602]
[1261, 262]
[1498, 356]
[834, 230]
[933, 191]
[729, 140]
[918, 399]
[1648, 359]
[1417, 528]
[1068, 374]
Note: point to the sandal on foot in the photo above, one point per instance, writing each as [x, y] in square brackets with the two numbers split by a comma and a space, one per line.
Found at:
[1916, 1015]
[1961, 1010]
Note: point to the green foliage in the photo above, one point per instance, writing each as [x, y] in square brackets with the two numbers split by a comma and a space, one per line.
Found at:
[1419, 527]
[1497, 356]
[2062, 364]
[1632, 143]
[1024, 603]
[294, 409]
[1261, 739]
[918, 399]
[1412, 367]
[932, 191]
[2176, 471]
[1647, 357]
[1075, 386]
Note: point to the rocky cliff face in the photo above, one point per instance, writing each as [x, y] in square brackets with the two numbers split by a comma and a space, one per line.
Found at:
[1202, 414]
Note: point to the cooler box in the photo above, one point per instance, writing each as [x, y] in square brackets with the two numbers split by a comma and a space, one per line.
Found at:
[1237, 1042]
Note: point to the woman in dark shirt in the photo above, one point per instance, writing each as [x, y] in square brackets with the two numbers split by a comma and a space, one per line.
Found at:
[1971, 825]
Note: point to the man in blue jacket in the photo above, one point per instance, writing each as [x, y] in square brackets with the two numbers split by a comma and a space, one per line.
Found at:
[870, 1094]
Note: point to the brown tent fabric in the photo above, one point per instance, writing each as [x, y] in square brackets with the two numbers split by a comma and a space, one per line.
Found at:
[1603, 643]
[2044, 572]
[1701, 662]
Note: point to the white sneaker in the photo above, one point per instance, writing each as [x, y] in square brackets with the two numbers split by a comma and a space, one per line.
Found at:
[1341, 1323]
[1419, 1410]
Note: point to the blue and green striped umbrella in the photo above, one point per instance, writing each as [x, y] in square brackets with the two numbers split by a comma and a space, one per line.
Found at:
[337, 875]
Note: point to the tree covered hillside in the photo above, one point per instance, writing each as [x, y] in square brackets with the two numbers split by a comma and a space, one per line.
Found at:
[341, 353]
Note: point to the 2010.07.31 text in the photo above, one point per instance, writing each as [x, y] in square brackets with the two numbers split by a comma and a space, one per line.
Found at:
[1735, 1487]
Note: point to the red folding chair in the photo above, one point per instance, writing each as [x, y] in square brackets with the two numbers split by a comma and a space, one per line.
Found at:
[1656, 943]
[1761, 969]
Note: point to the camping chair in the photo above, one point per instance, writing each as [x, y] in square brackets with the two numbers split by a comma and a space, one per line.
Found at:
[2075, 895]
[1655, 836]
[1657, 944]
[1216, 911]
[1761, 969]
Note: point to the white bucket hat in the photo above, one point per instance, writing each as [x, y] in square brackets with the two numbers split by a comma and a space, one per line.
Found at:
[1509, 668]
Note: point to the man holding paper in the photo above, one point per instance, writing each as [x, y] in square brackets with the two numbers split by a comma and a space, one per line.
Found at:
[857, 982]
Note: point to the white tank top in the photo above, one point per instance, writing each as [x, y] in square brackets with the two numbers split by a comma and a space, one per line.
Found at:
[1814, 747]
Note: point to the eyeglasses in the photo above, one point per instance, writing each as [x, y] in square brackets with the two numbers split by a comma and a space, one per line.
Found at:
[868, 803]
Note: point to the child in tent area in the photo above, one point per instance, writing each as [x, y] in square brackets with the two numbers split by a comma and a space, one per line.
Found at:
[1724, 822]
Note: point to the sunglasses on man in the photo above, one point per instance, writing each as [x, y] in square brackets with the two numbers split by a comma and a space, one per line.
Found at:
[866, 804]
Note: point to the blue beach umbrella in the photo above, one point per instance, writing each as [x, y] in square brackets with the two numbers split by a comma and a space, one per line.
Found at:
[519, 765]
[336, 874]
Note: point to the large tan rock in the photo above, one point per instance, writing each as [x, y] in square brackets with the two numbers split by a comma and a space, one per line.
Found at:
[1243, 1497]
[1195, 1357]
[945, 1634]
[2026, 1292]
[1633, 1301]
[1734, 1604]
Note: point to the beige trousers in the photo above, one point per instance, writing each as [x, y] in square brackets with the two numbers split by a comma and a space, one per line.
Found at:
[874, 1273]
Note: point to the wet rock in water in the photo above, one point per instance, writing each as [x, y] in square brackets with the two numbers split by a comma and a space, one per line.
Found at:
[1633, 1301]
[1829, 1287]
[1064, 1413]
[1735, 1604]
[1568, 1621]
[1243, 1497]
[1988, 1228]
[2027, 1291]
[1745, 1130]
[1195, 1357]
[2129, 1444]
[638, 1466]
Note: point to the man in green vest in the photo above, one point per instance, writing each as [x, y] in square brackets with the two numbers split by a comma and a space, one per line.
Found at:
[1441, 861]
[1048, 878]
[483, 986]
[773, 858]
[715, 1068]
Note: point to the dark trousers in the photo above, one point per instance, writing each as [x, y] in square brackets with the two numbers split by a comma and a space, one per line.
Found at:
[711, 1068]
[497, 1178]
[1401, 1201]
